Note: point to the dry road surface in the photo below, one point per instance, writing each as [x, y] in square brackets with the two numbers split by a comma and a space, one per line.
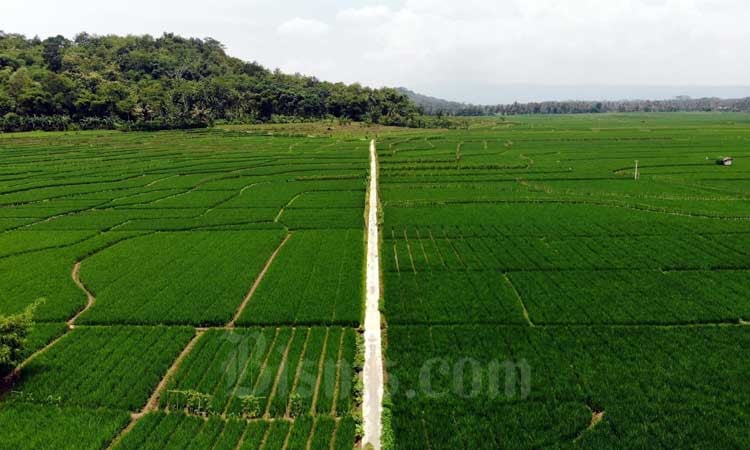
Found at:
[373, 370]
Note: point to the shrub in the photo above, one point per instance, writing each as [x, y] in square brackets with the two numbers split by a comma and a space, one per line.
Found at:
[251, 407]
[13, 333]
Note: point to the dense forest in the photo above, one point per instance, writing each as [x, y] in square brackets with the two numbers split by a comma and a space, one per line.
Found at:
[142, 82]
[436, 106]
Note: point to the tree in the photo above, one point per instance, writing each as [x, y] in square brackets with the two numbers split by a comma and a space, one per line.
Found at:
[142, 82]
[18, 83]
[53, 52]
[13, 333]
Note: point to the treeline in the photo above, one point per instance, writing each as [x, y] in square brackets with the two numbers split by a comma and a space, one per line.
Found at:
[624, 106]
[437, 107]
[142, 82]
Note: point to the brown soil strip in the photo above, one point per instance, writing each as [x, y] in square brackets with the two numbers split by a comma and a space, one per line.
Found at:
[257, 281]
[7, 382]
[153, 402]
[90, 299]
[520, 301]
[321, 364]
[455, 251]
[242, 438]
[331, 446]
[265, 439]
[408, 247]
[281, 211]
[288, 436]
[160, 180]
[297, 373]
[311, 435]
[244, 371]
[265, 360]
[338, 374]
[596, 418]
[395, 251]
[421, 245]
[437, 249]
[279, 371]
[395, 257]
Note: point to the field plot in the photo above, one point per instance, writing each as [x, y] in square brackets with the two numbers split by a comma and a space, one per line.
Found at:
[177, 431]
[202, 276]
[112, 367]
[317, 279]
[289, 371]
[43, 277]
[659, 387]
[126, 185]
[28, 425]
[539, 295]
[142, 250]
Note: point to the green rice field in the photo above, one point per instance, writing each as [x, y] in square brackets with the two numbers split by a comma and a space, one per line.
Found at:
[205, 289]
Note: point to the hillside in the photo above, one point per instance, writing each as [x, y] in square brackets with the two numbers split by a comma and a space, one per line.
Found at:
[436, 106]
[145, 82]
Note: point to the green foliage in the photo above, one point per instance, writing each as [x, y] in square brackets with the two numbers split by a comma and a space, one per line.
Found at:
[296, 406]
[387, 438]
[14, 331]
[198, 403]
[346, 433]
[251, 406]
[169, 82]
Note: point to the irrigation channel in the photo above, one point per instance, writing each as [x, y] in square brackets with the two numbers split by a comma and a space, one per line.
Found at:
[372, 405]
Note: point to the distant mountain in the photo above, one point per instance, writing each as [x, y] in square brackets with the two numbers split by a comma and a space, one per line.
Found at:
[437, 106]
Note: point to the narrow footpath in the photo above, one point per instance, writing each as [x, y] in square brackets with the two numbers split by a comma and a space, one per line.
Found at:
[372, 405]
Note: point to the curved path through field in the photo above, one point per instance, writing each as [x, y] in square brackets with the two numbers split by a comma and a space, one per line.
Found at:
[90, 299]
[372, 405]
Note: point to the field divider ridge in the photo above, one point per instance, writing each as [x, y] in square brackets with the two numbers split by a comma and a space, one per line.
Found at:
[153, 402]
[520, 301]
[257, 282]
[90, 299]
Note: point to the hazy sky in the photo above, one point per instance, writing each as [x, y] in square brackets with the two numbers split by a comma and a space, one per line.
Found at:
[470, 50]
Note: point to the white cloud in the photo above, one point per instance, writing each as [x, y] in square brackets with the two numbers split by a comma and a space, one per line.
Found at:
[300, 26]
[363, 14]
